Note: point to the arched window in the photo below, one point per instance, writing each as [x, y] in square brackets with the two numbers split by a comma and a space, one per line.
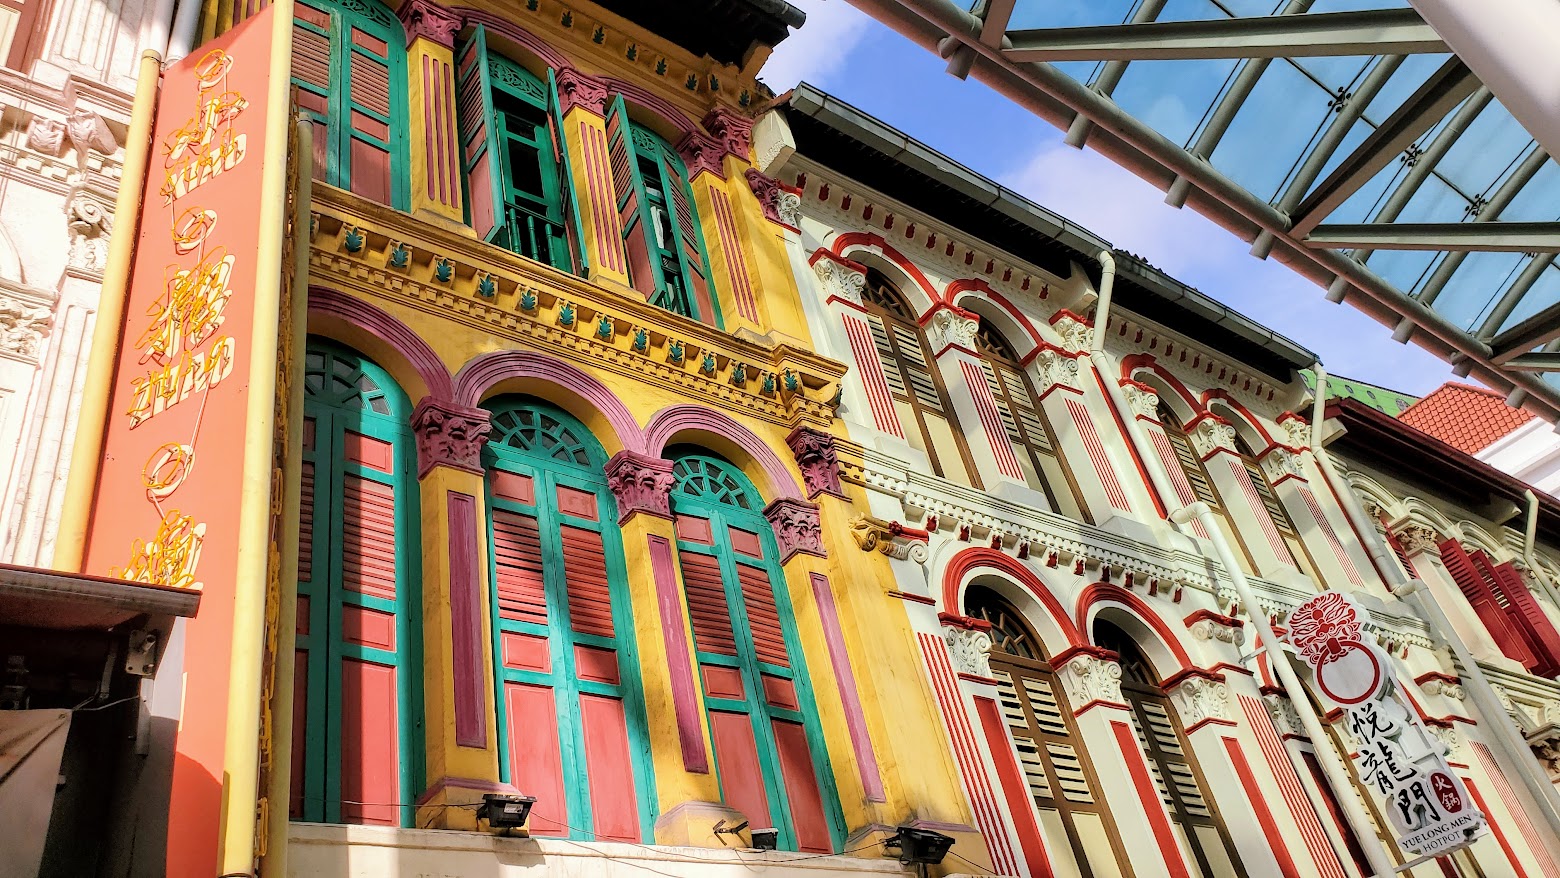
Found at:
[519, 192]
[667, 261]
[1274, 507]
[769, 750]
[1197, 476]
[357, 705]
[1081, 836]
[1027, 428]
[1181, 785]
[349, 64]
[914, 381]
[571, 711]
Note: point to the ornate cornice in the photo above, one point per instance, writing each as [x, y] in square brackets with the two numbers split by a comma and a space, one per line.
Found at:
[701, 153]
[797, 527]
[428, 20]
[640, 483]
[734, 132]
[781, 203]
[1056, 368]
[449, 435]
[1090, 679]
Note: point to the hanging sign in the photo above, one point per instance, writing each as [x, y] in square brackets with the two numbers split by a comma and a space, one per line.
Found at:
[1429, 810]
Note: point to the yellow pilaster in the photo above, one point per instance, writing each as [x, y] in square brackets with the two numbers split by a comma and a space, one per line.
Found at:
[435, 152]
[763, 237]
[735, 283]
[583, 102]
[461, 737]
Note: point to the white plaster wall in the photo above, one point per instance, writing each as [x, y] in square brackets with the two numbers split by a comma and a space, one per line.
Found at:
[1531, 453]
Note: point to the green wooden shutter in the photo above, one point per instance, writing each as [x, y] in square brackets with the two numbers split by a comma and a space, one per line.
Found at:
[571, 204]
[691, 253]
[479, 138]
[633, 206]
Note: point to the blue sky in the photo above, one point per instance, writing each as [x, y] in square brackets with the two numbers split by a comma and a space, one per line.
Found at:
[848, 54]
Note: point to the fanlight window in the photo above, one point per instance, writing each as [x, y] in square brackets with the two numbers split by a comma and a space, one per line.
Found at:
[698, 477]
[534, 431]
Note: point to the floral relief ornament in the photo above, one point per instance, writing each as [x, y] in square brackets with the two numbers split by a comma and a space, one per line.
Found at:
[45, 135]
[640, 483]
[1199, 699]
[22, 327]
[1091, 678]
[449, 435]
[796, 526]
[815, 456]
[839, 279]
[576, 89]
[969, 649]
[955, 328]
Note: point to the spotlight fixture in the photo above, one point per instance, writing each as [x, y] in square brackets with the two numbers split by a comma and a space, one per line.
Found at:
[922, 846]
[721, 829]
[504, 811]
[765, 839]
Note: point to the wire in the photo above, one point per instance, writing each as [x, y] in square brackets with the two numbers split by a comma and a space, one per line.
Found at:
[965, 861]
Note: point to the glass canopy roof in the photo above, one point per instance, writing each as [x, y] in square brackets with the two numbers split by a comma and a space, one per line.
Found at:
[1341, 136]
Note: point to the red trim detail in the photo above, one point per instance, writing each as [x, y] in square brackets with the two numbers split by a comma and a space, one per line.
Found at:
[1064, 314]
[1091, 443]
[978, 680]
[870, 367]
[1102, 591]
[1132, 452]
[868, 239]
[1100, 702]
[1217, 619]
[825, 253]
[1164, 836]
[1508, 797]
[1219, 393]
[986, 406]
[968, 623]
[1185, 674]
[1132, 363]
[979, 557]
[913, 598]
[736, 264]
[1258, 508]
[1332, 537]
[1210, 721]
[1014, 789]
[1172, 464]
[1258, 803]
[982, 802]
[1500, 834]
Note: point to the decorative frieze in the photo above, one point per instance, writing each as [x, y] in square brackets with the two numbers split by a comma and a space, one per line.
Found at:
[1142, 398]
[640, 483]
[1089, 677]
[796, 526]
[449, 435]
[891, 538]
[1444, 685]
[954, 327]
[816, 457]
[838, 277]
[970, 649]
[1199, 699]
[424, 18]
[576, 89]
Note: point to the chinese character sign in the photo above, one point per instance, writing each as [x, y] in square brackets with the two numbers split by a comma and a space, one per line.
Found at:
[200, 338]
[1426, 804]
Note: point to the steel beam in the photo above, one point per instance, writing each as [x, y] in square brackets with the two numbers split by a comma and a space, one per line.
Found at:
[1343, 121]
[1110, 76]
[1541, 328]
[1429, 104]
[1490, 212]
[1495, 237]
[1372, 32]
[1535, 362]
[1513, 295]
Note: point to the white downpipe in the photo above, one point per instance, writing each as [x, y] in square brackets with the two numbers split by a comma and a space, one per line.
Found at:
[1507, 736]
[156, 27]
[1106, 369]
[1529, 557]
[186, 24]
[1337, 773]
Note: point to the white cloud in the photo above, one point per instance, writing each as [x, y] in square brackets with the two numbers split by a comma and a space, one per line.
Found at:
[820, 48]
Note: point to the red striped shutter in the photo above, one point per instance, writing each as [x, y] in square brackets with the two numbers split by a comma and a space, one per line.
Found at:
[1397, 549]
[517, 553]
[688, 240]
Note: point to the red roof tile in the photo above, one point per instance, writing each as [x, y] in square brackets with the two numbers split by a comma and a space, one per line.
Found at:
[1465, 417]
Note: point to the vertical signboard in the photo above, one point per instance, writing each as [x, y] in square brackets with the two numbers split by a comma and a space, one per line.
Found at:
[184, 494]
[1429, 810]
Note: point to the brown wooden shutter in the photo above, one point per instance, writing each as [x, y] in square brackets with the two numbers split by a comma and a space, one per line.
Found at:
[368, 537]
[707, 606]
[517, 555]
[585, 569]
[1190, 465]
[306, 524]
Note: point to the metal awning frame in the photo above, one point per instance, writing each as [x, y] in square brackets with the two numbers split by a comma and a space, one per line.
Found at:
[941, 26]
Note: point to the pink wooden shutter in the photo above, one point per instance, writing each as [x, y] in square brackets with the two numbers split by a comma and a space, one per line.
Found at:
[707, 604]
[585, 568]
[517, 552]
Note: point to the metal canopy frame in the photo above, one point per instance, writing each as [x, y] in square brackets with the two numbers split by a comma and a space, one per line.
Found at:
[1408, 145]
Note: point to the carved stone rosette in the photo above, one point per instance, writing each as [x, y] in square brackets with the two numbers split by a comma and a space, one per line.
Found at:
[1200, 699]
[449, 435]
[641, 483]
[1089, 678]
[839, 278]
[953, 327]
[969, 649]
[815, 455]
[576, 89]
[423, 18]
[796, 526]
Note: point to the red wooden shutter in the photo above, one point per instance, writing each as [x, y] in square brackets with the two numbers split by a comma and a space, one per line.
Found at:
[707, 604]
[517, 553]
[368, 537]
[585, 569]
[644, 272]
[306, 524]
[1526, 615]
[763, 617]
[1490, 611]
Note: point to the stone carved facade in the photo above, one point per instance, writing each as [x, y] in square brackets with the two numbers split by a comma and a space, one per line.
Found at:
[428, 20]
[45, 135]
[449, 435]
[1210, 434]
[1285, 718]
[576, 89]
[1417, 538]
[815, 456]
[23, 327]
[839, 278]
[89, 224]
[780, 202]
[733, 132]
[640, 483]
[1281, 463]
[1223, 629]
[1142, 398]
[1075, 332]
[969, 649]
[1056, 368]
[1090, 678]
[797, 527]
[701, 153]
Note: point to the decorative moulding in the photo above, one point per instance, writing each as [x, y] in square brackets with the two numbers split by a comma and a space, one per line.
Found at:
[891, 538]
[818, 461]
[841, 278]
[781, 203]
[732, 131]
[424, 18]
[449, 435]
[576, 89]
[796, 526]
[701, 153]
[641, 483]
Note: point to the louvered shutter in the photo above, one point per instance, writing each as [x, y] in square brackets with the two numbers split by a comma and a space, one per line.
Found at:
[918, 371]
[517, 555]
[306, 524]
[368, 82]
[633, 206]
[1004, 412]
[1526, 615]
[1490, 611]
[1397, 549]
[707, 607]
[585, 570]
[1189, 463]
[571, 205]
[758, 598]
[480, 154]
[311, 76]
[690, 250]
[1275, 509]
[368, 545]
[887, 357]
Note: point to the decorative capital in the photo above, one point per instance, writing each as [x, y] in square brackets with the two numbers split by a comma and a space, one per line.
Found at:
[1057, 367]
[641, 483]
[1281, 463]
[701, 153]
[796, 526]
[1208, 625]
[1285, 718]
[89, 222]
[1417, 538]
[424, 18]
[1075, 331]
[734, 132]
[781, 203]
[1090, 677]
[890, 538]
[45, 135]
[576, 89]
[840, 278]
[954, 326]
[970, 650]
[815, 455]
[1547, 749]
[449, 435]
[1296, 430]
[1200, 699]
[1143, 399]
[89, 132]
[1210, 433]
[22, 327]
